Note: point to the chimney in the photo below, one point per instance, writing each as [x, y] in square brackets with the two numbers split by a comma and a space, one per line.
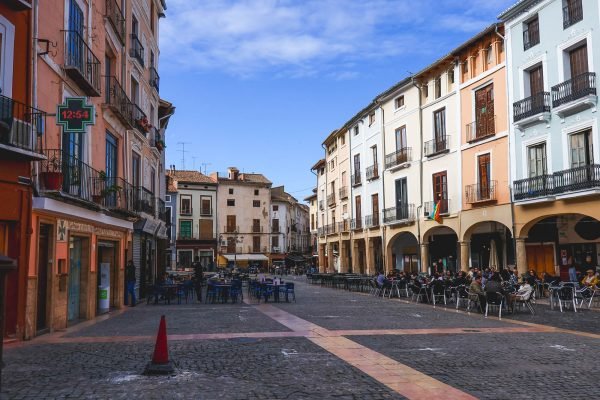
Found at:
[233, 173]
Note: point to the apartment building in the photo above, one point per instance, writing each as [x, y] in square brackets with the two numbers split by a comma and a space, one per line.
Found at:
[21, 127]
[171, 202]
[243, 203]
[554, 136]
[99, 196]
[195, 219]
[313, 218]
[289, 228]
[319, 169]
[401, 143]
[486, 220]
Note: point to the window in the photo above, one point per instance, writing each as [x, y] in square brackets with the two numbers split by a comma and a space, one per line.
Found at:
[451, 75]
[312, 222]
[111, 156]
[466, 66]
[168, 198]
[256, 244]
[399, 102]
[537, 160]
[531, 33]
[275, 225]
[185, 229]
[357, 164]
[205, 205]
[255, 203]
[185, 205]
[483, 176]
[275, 243]
[440, 191]
[358, 209]
[401, 138]
[231, 224]
[135, 91]
[256, 225]
[343, 139]
[426, 90]
[572, 12]
[231, 191]
[488, 54]
[168, 217]
[135, 169]
[185, 258]
[7, 45]
[256, 192]
[355, 130]
[581, 149]
[374, 154]
[206, 229]
[152, 16]
[371, 118]
[152, 180]
[275, 207]
[439, 118]
[230, 202]
[438, 87]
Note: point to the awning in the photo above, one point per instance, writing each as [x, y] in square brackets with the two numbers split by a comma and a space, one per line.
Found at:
[245, 256]
[295, 258]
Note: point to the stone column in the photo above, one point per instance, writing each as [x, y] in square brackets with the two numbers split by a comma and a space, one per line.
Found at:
[322, 266]
[521, 251]
[465, 255]
[370, 257]
[330, 259]
[424, 257]
[344, 253]
[355, 258]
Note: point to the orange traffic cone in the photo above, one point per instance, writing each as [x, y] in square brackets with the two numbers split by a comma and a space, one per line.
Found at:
[160, 364]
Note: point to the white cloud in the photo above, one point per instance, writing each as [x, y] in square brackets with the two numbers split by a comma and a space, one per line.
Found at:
[305, 38]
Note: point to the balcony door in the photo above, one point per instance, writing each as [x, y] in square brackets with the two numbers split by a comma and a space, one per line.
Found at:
[75, 41]
[578, 60]
[375, 208]
[231, 223]
[439, 118]
[111, 168]
[358, 212]
[401, 144]
[484, 111]
[401, 199]
[483, 172]
[536, 87]
[72, 162]
[581, 149]
[440, 191]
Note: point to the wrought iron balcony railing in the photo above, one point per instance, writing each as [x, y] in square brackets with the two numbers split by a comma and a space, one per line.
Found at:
[372, 221]
[116, 19]
[483, 127]
[257, 229]
[572, 13]
[437, 146]
[161, 209]
[479, 193]
[146, 202]
[576, 179]
[275, 229]
[344, 226]
[81, 64]
[331, 199]
[117, 100]
[401, 213]
[136, 50]
[398, 157]
[573, 89]
[356, 179]
[372, 172]
[343, 192]
[20, 124]
[231, 229]
[429, 205]
[356, 223]
[140, 121]
[154, 78]
[530, 106]
[534, 187]
[531, 37]
[331, 229]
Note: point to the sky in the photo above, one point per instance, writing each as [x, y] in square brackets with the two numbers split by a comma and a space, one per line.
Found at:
[259, 84]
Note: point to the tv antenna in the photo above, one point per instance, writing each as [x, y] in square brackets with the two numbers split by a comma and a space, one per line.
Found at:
[183, 151]
[204, 164]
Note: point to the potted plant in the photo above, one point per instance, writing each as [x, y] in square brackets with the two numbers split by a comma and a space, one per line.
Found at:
[51, 175]
[99, 187]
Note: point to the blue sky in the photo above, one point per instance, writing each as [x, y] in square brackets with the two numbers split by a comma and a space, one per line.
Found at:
[258, 84]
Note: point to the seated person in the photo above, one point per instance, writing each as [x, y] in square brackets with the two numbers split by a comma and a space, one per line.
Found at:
[514, 277]
[476, 292]
[493, 285]
[381, 279]
[591, 279]
[523, 293]
[461, 279]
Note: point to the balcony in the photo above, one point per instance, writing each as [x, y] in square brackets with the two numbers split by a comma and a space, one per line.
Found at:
[531, 37]
[372, 221]
[531, 109]
[399, 158]
[154, 78]
[140, 121]
[275, 229]
[344, 226]
[20, 126]
[331, 229]
[146, 202]
[483, 128]
[372, 172]
[115, 194]
[478, 193]
[231, 229]
[116, 99]
[331, 200]
[321, 231]
[429, 205]
[81, 64]
[343, 192]
[403, 214]
[206, 212]
[186, 211]
[355, 179]
[356, 223]
[257, 229]
[116, 19]
[559, 183]
[572, 13]
[137, 50]
[437, 146]
[574, 94]
[321, 205]
[156, 139]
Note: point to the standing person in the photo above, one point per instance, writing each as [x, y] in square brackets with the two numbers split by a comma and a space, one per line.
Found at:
[198, 277]
[572, 270]
[130, 282]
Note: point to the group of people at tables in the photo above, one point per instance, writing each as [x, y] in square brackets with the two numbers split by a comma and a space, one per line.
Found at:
[263, 287]
[509, 284]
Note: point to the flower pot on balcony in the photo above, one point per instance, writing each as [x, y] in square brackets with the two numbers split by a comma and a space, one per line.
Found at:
[52, 180]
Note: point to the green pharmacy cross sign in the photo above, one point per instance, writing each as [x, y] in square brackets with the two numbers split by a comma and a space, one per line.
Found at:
[75, 115]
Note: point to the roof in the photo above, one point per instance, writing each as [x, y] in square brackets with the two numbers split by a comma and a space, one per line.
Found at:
[516, 8]
[249, 178]
[312, 196]
[190, 177]
[487, 30]
[394, 88]
[318, 164]
[279, 194]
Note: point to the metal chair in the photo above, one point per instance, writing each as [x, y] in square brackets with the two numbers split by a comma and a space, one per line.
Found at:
[566, 296]
[526, 300]
[462, 295]
[438, 290]
[494, 299]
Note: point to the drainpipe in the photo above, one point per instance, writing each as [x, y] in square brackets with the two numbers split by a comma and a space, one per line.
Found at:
[383, 227]
[418, 86]
[34, 97]
[498, 33]
[351, 197]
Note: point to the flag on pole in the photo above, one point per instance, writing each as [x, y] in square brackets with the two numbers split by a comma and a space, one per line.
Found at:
[435, 213]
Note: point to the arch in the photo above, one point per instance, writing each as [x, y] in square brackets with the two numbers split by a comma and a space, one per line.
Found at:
[438, 230]
[523, 231]
[466, 236]
[402, 251]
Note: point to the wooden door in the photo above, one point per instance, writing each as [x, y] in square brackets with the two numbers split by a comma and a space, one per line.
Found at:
[375, 207]
[484, 111]
[358, 212]
[231, 225]
[540, 258]
[440, 191]
[483, 170]
[579, 67]
[42, 273]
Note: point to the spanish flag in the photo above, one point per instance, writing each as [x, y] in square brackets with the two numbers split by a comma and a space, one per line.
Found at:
[435, 214]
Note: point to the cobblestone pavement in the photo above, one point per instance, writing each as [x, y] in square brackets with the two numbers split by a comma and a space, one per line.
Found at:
[330, 344]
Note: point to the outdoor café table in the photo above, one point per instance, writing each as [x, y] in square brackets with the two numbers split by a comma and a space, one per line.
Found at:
[223, 290]
[276, 291]
[171, 291]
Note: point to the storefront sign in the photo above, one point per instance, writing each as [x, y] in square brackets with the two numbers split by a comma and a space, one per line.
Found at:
[78, 226]
[107, 232]
[75, 115]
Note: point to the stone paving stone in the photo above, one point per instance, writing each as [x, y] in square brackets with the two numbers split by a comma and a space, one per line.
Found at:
[339, 309]
[143, 320]
[500, 366]
[289, 368]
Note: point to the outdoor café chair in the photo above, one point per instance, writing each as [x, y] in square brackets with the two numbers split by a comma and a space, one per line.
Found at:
[462, 295]
[419, 292]
[494, 299]
[526, 300]
[438, 290]
[566, 296]
[584, 295]
[289, 290]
